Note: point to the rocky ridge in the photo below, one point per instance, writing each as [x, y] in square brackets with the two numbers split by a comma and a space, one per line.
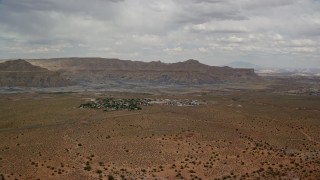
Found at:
[101, 70]
[20, 73]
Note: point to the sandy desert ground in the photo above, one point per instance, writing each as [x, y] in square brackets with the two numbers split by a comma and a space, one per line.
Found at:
[239, 134]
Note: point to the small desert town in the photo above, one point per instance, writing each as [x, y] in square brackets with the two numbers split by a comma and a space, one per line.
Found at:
[133, 104]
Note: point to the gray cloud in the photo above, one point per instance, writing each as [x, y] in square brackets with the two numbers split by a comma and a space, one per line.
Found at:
[208, 1]
[253, 4]
[214, 31]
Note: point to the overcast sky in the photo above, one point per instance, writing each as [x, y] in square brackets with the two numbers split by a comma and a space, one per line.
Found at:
[272, 33]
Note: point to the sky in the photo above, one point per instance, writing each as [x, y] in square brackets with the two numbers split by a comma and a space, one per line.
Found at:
[268, 33]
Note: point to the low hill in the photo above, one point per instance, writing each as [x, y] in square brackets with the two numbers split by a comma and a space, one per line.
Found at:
[20, 73]
[101, 70]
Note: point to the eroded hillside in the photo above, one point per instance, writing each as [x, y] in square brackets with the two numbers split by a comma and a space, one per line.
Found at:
[20, 73]
[100, 70]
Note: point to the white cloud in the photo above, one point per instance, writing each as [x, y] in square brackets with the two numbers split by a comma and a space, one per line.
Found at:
[106, 49]
[203, 50]
[277, 37]
[118, 43]
[304, 42]
[217, 31]
[147, 39]
[219, 27]
[304, 49]
[173, 50]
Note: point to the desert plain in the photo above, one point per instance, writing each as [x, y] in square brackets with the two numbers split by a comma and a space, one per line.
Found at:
[238, 134]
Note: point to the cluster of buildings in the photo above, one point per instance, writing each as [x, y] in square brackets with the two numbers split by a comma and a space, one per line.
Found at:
[177, 102]
[113, 104]
[305, 91]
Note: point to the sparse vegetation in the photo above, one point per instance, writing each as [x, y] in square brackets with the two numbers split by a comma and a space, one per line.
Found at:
[267, 137]
[87, 168]
[110, 177]
[98, 171]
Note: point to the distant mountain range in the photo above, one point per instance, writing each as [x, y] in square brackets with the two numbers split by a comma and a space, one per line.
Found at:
[83, 71]
[101, 70]
[273, 71]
